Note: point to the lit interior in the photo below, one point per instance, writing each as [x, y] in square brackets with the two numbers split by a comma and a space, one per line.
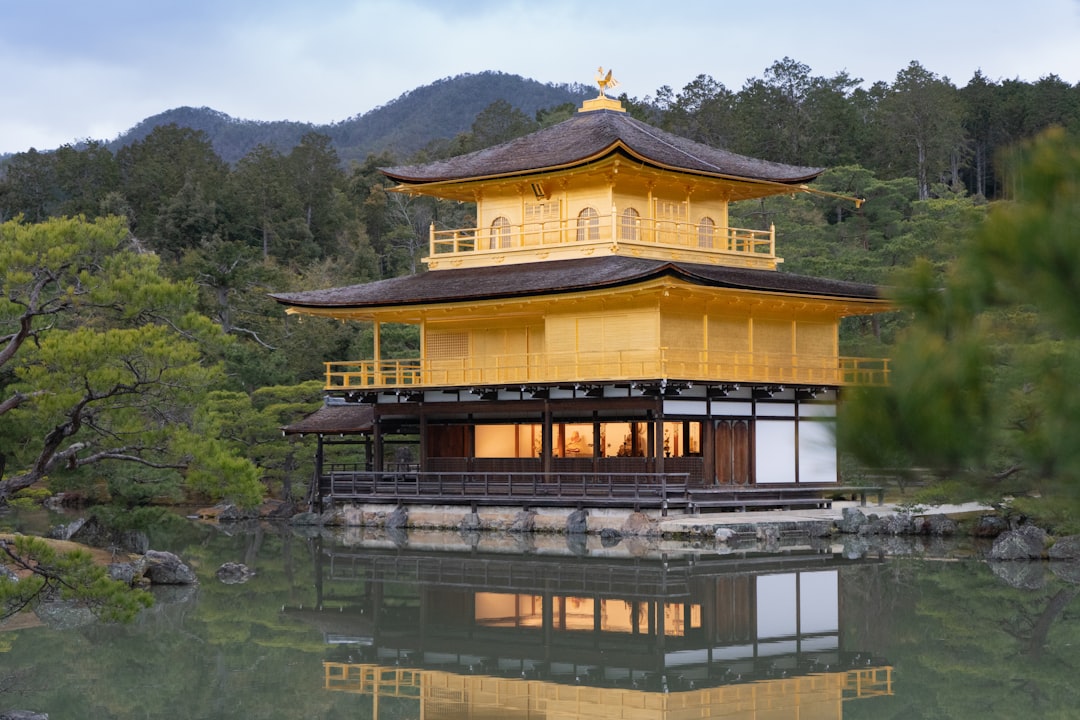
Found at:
[582, 440]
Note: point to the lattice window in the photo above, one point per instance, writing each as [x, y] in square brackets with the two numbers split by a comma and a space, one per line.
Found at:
[588, 225]
[706, 229]
[443, 344]
[628, 224]
[670, 210]
[500, 233]
[542, 212]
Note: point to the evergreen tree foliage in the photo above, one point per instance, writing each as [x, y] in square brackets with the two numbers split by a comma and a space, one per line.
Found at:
[981, 380]
[42, 572]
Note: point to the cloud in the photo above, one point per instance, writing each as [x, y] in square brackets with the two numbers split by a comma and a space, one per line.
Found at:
[73, 69]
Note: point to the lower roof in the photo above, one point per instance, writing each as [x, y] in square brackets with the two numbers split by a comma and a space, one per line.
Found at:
[565, 276]
[345, 419]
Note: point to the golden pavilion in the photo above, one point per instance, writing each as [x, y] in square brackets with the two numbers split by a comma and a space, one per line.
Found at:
[601, 337]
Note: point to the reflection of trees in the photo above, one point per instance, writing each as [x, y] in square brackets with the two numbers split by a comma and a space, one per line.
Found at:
[1034, 631]
[965, 643]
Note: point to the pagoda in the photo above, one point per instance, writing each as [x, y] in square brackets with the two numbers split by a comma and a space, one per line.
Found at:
[602, 336]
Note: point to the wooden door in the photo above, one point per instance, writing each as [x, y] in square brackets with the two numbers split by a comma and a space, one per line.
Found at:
[732, 452]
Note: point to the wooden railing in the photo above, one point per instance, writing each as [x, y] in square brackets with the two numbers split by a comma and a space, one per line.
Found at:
[606, 366]
[661, 491]
[605, 229]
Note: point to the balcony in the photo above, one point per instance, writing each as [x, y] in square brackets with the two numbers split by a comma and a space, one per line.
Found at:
[606, 367]
[577, 237]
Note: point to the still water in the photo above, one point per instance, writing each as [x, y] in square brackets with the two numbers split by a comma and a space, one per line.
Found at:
[441, 626]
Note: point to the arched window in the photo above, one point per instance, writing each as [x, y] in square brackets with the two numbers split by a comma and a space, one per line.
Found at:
[706, 229]
[500, 233]
[588, 225]
[628, 224]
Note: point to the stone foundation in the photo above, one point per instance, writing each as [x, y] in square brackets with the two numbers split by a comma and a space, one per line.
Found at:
[511, 519]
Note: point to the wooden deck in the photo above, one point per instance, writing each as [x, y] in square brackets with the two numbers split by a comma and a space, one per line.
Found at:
[634, 491]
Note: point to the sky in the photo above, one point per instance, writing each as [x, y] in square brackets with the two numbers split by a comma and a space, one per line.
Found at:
[91, 69]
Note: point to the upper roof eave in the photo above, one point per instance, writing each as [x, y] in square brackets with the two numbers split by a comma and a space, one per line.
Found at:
[591, 135]
[433, 187]
[561, 277]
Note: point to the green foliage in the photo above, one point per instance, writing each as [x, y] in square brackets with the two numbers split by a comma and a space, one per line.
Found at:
[71, 575]
[983, 381]
[251, 425]
[29, 498]
[104, 360]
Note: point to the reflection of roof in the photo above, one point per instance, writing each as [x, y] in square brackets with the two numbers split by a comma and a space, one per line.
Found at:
[588, 136]
[564, 276]
[334, 419]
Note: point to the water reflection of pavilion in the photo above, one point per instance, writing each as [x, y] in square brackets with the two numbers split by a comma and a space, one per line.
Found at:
[540, 636]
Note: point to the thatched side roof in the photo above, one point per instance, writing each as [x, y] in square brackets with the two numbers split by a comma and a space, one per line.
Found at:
[346, 419]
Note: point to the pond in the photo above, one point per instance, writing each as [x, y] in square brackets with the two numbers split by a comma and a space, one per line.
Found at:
[363, 624]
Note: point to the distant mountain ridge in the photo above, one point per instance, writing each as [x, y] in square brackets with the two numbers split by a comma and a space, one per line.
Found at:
[443, 109]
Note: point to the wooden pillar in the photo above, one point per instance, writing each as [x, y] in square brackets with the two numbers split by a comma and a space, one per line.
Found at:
[708, 450]
[422, 461]
[377, 441]
[547, 441]
[658, 433]
[598, 449]
[377, 339]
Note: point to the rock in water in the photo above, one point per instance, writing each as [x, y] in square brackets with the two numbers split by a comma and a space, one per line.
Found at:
[164, 568]
[1027, 542]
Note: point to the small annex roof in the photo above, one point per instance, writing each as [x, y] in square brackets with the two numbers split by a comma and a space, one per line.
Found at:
[589, 136]
[345, 419]
[563, 276]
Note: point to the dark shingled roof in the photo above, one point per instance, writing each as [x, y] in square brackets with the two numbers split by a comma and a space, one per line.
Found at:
[334, 419]
[563, 276]
[589, 135]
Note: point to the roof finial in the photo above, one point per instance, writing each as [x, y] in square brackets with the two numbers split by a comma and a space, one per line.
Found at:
[606, 82]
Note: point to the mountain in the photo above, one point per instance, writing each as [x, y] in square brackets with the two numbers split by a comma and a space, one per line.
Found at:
[403, 126]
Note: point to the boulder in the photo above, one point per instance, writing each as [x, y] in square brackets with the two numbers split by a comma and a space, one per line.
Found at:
[233, 573]
[937, 525]
[638, 523]
[229, 513]
[577, 522]
[852, 520]
[398, 518]
[278, 509]
[127, 572]
[896, 524]
[524, 522]
[990, 526]
[306, 518]
[1066, 548]
[165, 568]
[610, 537]
[768, 534]
[724, 534]
[1026, 542]
[64, 532]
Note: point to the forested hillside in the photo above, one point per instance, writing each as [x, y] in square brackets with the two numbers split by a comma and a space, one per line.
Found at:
[230, 211]
[439, 111]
